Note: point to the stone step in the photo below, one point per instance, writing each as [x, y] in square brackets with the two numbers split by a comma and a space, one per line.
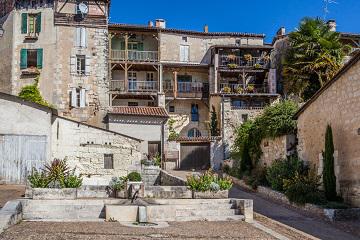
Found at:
[206, 213]
[211, 218]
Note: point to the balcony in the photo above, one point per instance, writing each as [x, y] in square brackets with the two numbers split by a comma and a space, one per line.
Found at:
[134, 56]
[235, 62]
[187, 89]
[239, 89]
[134, 86]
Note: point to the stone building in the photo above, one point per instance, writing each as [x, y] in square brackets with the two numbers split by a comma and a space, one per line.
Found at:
[63, 44]
[337, 104]
[188, 73]
[32, 135]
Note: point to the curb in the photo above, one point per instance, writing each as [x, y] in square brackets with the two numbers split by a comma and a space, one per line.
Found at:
[288, 227]
[10, 214]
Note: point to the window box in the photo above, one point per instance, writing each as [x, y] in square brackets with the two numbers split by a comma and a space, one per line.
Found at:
[30, 72]
[54, 194]
[31, 38]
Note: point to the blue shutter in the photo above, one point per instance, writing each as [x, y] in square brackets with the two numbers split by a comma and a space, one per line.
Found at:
[23, 58]
[24, 23]
[39, 58]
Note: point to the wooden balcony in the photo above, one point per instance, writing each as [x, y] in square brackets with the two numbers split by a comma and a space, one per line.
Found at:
[239, 89]
[235, 62]
[134, 86]
[134, 56]
[186, 90]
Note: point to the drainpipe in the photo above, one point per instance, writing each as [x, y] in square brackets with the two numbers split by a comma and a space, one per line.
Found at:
[162, 143]
[222, 126]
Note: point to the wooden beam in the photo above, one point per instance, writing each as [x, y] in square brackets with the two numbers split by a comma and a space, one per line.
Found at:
[66, 1]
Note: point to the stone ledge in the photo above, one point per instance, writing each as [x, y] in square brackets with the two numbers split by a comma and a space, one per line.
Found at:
[10, 214]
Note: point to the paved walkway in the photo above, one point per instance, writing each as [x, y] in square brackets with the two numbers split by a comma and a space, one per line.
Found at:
[295, 218]
[10, 192]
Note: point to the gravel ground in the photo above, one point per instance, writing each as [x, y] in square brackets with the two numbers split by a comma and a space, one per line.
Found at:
[10, 192]
[112, 231]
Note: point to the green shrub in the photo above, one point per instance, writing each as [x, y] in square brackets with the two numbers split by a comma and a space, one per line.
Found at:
[57, 171]
[118, 183]
[173, 135]
[283, 169]
[207, 182]
[134, 177]
[157, 159]
[257, 178]
[71, 181]
[303, 189]
[38, 180]
[31, 93]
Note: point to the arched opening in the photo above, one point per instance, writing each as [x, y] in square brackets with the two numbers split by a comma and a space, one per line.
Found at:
[194, 132]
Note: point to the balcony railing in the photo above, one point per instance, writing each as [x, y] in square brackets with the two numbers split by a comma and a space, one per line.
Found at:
[187, 89]
[227, 88]
[138, 56]
[134, 86]
[234, 62]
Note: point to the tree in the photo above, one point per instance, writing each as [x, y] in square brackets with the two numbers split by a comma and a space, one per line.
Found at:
[245, 162]
[214, 123]
[329, 178]
[315, 55]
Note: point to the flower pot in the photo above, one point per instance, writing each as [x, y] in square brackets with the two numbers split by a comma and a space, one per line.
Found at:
[211, 195]
[121, 194]
[54, 193]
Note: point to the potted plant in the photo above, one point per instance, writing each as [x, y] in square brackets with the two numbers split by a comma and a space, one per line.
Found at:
[232, 65]
[250, 88]
[239, 90]
[231, 57]
[134, 184]
[257, 66]
[248, 57]
[226, 90]
[117, 185]
[209, 185]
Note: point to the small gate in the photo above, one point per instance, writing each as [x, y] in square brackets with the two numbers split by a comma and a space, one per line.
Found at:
[19, 154]
[195, 156]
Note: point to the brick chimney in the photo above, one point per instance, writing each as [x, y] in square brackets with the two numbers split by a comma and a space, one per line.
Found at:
[332, 25]
[281, 32]
[160, 23]
[150, 24]
[206, 28]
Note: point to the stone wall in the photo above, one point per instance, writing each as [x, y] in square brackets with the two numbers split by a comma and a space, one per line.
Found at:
[150, 175]
[338, 105]
[167, 179]
[84, 147]
[277, 148]
[6, 47]
[233, 118]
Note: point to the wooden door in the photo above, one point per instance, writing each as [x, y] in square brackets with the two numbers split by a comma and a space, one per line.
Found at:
[195, 156]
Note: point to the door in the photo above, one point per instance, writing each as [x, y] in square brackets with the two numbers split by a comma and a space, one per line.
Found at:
[154, 148]
[19, 154]
[195, 156]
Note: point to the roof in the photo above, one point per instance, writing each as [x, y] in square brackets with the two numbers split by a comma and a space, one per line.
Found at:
[233, 46]
[140, 111]
[351, 35]
[123, 26]
[342, 71]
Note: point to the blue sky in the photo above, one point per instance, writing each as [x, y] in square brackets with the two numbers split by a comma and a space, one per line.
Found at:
[258, 16]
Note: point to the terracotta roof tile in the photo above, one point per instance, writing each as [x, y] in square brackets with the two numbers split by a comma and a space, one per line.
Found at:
[140, 111]
[197, 139]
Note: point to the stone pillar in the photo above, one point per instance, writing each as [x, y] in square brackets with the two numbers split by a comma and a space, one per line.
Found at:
[175, 84]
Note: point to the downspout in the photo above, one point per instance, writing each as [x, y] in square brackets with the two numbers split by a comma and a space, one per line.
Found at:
[222, 127]
[162, 143]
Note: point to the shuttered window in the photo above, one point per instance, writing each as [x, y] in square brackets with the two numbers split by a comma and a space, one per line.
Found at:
[81, 37]
[184, 53]
[30, 23]
[108, 161]
[80, 64]
[78, 97]
[31, 58]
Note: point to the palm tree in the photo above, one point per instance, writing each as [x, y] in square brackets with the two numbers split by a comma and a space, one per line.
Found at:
[314, 57]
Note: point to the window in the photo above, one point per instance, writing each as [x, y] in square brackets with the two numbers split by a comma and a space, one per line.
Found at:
[81, 37]
[31, 58]
[172, 109]
[108, 161]
[150, 76]
[80, 64]
[132, 77]
[244, 117]
[133, 104]
[30, 23]
[185, 39]
[78, 97]
[184, 53]
[194, 132]
[132, 46]
[184, 83]
[194, 113]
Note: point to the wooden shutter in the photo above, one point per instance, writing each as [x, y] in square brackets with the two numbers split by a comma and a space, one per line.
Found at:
[24, 17]
[87, 65]
[78, 37]
[73, 65]
[23, 58]
[141, 46]
[108, 161]
[182, 54]
[82, 98]
[186, 53]
[122, 45]
[39, 58]
[73, 99]
[83, 37]
[38, 23]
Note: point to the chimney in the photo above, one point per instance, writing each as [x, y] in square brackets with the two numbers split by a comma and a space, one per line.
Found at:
[160, 23]
[151, 24]
[281, 32]
[332, 25]
[206, 28]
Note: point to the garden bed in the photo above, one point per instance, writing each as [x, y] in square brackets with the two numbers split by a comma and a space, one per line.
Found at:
[54, 194]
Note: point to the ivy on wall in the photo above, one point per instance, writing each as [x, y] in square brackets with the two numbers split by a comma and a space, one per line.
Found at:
[31, 93]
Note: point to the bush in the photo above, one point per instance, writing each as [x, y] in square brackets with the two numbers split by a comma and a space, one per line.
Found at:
[38, 180]
[329, 178]
[118, 183]
[31, 93]
[71, 181]
[134, 177]
[257, 178]
[303, 189]
[283, 169]
[208, 182]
